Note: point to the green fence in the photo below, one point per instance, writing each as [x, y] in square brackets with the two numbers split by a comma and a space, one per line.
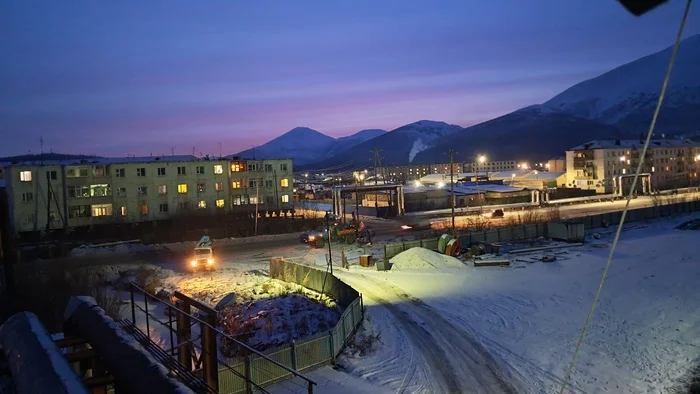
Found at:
[530, 231]
[304, 355]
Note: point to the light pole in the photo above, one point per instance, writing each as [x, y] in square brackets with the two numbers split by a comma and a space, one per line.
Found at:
[358, 177]
[617, 188]
[482, 160]
[328, 231]
[452, 191]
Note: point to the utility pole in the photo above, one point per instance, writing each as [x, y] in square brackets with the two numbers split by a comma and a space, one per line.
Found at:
[257, 202]
[452, 190]
[328, 231]
[376, 194]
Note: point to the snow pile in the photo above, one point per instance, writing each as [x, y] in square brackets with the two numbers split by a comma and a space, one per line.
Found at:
[121, 248]
[421, 258]
[120, 276]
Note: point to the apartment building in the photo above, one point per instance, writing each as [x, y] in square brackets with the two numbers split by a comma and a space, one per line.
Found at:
[129, 190]
[408, 173]
[489, 166]
[608, 166]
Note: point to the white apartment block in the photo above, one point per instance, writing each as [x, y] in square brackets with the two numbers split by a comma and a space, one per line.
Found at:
[608, 166]
[76, 193]
[489, 166]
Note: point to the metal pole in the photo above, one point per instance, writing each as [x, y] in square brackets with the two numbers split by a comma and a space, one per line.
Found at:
[133, 308]
[330, 252]
[170, 326]
[452, 191]
[145, 303]
[257, 202]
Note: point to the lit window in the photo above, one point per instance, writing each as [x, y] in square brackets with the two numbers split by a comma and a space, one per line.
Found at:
[102, 210]
[201, 188]
[218, 169]
[236, 167]
[220, 203]
[253, 200]
[202, 204]
[237, 200]
[218, 186]
[100, 191]
[162, 189]
[182, 188]
[285, 198]
[25, 176]
[123, 210]
[143, 209]
[236, 184]
[284, 182]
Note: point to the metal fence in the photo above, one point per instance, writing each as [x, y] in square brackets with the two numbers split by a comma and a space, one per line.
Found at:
[530, 231]
[304, 355]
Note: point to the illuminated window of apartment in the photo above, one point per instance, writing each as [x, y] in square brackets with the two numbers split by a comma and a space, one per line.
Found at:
[200, 170]
[236, 184]
[120, 173]
[202, 204]
[78, 191]
[285, 198]
[141, 171]
[79, 211]
[236, 167]
[284, 182]
[51, 175]
[162, 189]
[121, 192]
[101, 210]
[220, 203]
[624, 171]
[237, 200]
[218, 169]
[163, 208]
[218, 186]
[182, 188]
[98, 171]
[27, 197]
[161, 171]
[25, 176]
[201, 188]
[143, 209]
[142, 191]
[653, 169]
[100, 191]
[182, 170]
[253, 200]
[122, 210]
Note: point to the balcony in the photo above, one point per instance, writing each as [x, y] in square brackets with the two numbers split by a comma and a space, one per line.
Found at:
[582, 163]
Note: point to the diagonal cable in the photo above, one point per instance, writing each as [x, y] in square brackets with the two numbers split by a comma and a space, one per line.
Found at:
[629, 196]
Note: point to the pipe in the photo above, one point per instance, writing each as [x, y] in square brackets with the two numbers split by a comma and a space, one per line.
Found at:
[133, 368]
[35, 361]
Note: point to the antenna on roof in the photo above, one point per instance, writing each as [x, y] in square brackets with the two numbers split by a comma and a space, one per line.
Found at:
[220, 154]
[41, 147]
[193, 151]
[172, 151]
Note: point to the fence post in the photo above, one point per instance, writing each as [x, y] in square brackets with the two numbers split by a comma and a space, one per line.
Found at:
[421, 242]
[385, 257]
[330, 344]
[362, 306]
[352, 314]
[293, 351]
[344, 333]
[247, 364]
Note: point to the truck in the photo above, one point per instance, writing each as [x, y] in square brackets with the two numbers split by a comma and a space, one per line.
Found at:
[203, 256]
[346, 233]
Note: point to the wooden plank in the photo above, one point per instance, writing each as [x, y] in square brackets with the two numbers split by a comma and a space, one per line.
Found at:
[492, 263]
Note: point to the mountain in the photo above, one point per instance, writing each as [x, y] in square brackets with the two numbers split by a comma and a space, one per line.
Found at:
[398, 146]
[532, 133]
[627, 95]
[302, 144]
[344, 143]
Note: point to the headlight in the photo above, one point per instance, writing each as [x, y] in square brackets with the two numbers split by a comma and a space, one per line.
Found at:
[210, 261]
[194, 263]
[312, 237]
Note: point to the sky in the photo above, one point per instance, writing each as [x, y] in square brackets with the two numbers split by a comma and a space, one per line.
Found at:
[157, 77]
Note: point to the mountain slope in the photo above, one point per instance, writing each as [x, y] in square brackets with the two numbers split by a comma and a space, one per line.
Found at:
[302, 144]
[531, 133]
[627, 95]
[398, 146]
[343, 143]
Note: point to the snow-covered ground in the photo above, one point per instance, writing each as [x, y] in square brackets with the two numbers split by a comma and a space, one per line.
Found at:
[643, 337]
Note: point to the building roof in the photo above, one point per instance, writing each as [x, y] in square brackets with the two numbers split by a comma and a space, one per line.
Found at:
[445, 177]
[116, 160]
[244, 158]
[635, 144]
[527, 175]
[466, 188]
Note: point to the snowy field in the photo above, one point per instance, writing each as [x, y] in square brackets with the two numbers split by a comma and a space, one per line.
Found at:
[643, 337]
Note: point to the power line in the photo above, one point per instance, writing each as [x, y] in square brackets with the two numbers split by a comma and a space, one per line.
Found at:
[629, 198]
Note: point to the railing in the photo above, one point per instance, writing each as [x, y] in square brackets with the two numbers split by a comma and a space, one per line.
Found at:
[246, 376]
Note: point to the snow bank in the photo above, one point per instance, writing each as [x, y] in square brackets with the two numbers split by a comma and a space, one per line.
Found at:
[421, 258]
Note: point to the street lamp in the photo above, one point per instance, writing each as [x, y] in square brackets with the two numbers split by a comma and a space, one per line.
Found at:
[359, 176]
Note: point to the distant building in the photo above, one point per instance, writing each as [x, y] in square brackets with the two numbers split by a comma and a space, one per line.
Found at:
[557, 164]
[489, 166]
[608, 166]
[531, 179]
[409, 173]
[75, 193]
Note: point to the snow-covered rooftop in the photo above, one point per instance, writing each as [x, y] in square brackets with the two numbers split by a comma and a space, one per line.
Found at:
[635, 144]
[117, 160]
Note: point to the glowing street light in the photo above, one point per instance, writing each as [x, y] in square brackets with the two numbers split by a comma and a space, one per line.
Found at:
[482, 159]
[546, 166]
[417, 184]
[441, 184]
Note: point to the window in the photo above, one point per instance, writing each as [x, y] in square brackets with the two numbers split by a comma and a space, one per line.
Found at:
[51, 175]
[268, 167]
[200, 169]
[269, 200]
[202, 204]
[101, 210]
[236, 184]
[100, 191]
[251, 166]
[184, 205]
[220, 203]
[218, 169]
[120, 173]
[122, 210]
[161, 171]
[269, 183]
[252, 183]
[253, 200]
[284, 182]
[141, 171]
[121, 192]
[162, 189]
[27, 197]
[237, 200]
[285, 198]
[218, 186]
[182, 188]
[78, 191]
[76, 172]
[79, 211]
[236, 167]
[163, 208]
[98, 171]
[143, 209]
[142, 191]
[182, 170]
[25, 176]
[201, 188]
[29, 218]
[53, 216]
[283, 166]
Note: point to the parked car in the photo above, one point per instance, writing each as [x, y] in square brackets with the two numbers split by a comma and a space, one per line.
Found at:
[495, 214]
